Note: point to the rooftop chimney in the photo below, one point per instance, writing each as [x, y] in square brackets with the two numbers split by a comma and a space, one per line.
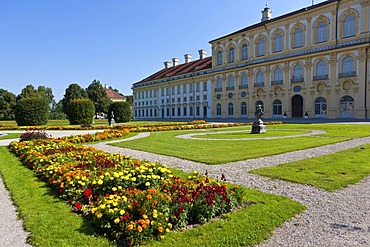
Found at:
[266, 13]
[175, 61]
[106, 86]
[187, 58]
[167, 64]
[202, 54]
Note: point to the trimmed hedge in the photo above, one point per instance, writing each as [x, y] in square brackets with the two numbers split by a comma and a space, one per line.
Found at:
[81, 111]
[121, 111]
[31, 111]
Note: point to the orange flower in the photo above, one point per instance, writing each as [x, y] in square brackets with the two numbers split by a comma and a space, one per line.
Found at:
[139, 229]
[160, 229]
[130, 227]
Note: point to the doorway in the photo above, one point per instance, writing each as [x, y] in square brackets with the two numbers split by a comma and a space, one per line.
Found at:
[297, 106]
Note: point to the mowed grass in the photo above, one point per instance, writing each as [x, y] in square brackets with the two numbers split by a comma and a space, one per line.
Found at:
[48, 219]
[10, 136]
[51, 222]
[224, 151]
[330, 172]
[246, 134]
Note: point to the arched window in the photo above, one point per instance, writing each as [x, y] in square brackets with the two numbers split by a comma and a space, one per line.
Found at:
[218, 109]
[244, 52]
[321, 32]
[277, 108]
[231, 55]
[349, 26]
[259, 103]
[298, 38]
[219, 58]
[278, 43]
[346, 107]
[243, 109]
[231, 109]
[219, 84]
[321, 73]
[348, 67]
[261, 47]
[320, 107]
[244, 81]
[278, 76]
[230, 82]
[298, 73]
[260, 79]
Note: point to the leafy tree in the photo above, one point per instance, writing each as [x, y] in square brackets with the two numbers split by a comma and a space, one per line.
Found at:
[96, 92]
[74, 91]
[129, 99]
[28, 92]
[46, 93]
[8, 101]
[57, 110]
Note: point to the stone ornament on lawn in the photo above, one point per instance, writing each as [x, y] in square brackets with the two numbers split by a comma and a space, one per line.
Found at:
[258, 126]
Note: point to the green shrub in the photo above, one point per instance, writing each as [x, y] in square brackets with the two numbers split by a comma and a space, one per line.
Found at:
[81, 111]
[121, 111]
[31, 112]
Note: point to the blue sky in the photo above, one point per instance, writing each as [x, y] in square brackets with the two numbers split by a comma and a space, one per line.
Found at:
[55, 43]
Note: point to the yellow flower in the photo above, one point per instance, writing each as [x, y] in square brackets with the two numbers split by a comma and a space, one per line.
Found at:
[98, 214]
[169, 225]
[147, 184]
[114, 189]
[100, 182]
[162, 237]
[116, 220]
[145, 216]
[122, 212]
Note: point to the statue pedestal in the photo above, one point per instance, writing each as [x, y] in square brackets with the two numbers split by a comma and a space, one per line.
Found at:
[258, 127]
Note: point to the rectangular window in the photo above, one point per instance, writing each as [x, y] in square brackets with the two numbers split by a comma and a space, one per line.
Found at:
[162, 91]
[150, 93]
[178, 99]
[191, 111]
[197, 87]
[178, 111]
[204, 97]
[191, 98]
[197, 111]
[184, 89]
[190, 88]
[173, 111]
[184, 99]
[178, 89]
[204, 86]
[185, 111]
[155, 93]
[198, 97]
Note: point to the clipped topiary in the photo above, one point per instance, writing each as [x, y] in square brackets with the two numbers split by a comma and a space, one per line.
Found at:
[81, 111]
[31, 111]
[121, 111]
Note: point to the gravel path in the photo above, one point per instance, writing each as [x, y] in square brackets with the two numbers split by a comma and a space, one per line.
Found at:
[339, 218]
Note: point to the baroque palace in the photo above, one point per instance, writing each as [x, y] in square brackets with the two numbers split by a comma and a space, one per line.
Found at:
[313, 62]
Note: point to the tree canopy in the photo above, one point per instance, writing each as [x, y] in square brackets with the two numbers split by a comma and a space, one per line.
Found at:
[8, 101]
[74, 91]
[96, 93]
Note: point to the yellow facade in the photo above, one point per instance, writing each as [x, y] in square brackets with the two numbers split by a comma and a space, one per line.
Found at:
[313, 63]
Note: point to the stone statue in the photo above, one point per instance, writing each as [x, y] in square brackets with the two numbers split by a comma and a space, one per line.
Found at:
[258, 126]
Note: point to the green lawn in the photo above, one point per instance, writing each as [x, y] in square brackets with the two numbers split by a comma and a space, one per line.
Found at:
[52, 223]
[330, 172]
[10, 136]
[223, 151]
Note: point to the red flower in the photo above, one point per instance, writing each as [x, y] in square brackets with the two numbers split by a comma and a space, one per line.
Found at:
[77, 206]
[88, 192]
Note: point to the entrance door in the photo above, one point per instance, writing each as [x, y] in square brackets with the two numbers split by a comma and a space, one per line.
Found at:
[297, 106]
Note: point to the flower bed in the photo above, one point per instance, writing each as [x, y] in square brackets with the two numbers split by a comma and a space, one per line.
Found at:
[128, 200]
